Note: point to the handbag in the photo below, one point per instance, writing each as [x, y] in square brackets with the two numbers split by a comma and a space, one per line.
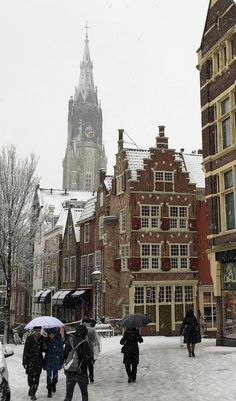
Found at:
[198, 335]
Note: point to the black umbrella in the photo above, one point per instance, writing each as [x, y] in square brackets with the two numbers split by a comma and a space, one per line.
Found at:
[135, 320]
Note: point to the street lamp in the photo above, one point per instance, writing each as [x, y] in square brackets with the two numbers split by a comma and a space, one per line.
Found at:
[96, 275]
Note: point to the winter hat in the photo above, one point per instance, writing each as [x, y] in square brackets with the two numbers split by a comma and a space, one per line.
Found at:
[81, 331]
[52, 330]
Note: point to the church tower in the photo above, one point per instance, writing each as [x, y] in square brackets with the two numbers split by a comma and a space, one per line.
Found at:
[85, 153]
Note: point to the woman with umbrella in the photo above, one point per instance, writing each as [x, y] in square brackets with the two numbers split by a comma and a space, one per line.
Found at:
[53, 359]
[130, 341]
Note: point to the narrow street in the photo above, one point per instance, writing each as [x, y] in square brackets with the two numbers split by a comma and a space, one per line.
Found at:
[165, 373]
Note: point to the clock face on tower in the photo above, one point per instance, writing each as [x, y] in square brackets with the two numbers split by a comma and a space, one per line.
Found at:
[90, 132]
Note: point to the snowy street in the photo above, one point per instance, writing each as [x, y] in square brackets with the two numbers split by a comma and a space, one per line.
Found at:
[165, 373]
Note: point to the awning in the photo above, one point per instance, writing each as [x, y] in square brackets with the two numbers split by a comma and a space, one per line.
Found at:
[78, 293]
[45, 297]
[37, 296]
[55, 296]
[61, 297]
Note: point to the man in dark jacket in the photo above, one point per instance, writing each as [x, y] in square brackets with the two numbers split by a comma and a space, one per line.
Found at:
[85, 358]
[33, 360]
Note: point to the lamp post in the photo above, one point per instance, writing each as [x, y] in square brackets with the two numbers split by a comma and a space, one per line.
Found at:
[96, 275]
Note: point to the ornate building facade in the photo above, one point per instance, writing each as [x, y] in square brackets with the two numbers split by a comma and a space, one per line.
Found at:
[85, 153]
[217, 66]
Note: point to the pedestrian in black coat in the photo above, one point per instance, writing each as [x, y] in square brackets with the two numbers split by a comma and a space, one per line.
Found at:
[130, 341]
[53, 359]
[189, 329]
[33, 360]
[80, 376]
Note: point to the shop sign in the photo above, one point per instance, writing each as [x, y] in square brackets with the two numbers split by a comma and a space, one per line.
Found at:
[229, 276]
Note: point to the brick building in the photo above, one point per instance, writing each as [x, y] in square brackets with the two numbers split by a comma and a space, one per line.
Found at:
[217, 66]
[150, 234]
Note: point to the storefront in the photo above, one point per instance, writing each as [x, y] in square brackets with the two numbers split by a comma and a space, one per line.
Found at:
[227, 260]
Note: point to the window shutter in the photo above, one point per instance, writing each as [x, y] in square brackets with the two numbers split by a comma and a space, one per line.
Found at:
[165, 223]
[113, 186]
[193, 264]
[212, 139]
[136, 223]
[192, 224]
[165, 264]
[134, 264]
[117, 265]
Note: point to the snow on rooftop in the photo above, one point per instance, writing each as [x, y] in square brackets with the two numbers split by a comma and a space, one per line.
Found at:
[135, 159]
[54, 198]
[89, 209]
[193, 165]
[76, 214]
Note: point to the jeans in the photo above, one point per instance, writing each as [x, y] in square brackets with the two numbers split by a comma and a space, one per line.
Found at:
[71, 380]
[52, 377]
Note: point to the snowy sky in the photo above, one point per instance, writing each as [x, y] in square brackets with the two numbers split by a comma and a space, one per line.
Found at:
[165, 373]
[144, 55]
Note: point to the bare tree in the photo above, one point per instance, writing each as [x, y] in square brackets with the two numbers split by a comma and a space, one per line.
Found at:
[17, 186]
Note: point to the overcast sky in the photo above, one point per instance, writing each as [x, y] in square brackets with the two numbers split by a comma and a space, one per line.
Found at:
[144, 56]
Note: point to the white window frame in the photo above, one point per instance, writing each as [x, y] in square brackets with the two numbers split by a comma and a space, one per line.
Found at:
[122, 221]
[178, 217]
[150, 256]
[166, 178]
[98, 260]
[119, 184]
[124, 254]
[179, 258]
[66, 270]
[73, 268]
[101, 227]
[150, 217]
[86, 232]
[226, 191]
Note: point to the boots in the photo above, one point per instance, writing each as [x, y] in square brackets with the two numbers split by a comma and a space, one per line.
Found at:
[49, 387]
[32, 392]
[53, 386]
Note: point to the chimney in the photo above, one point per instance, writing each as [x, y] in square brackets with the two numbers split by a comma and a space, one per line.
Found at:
[120, 141]
[161, 130]
[161, 140]
[102, 175]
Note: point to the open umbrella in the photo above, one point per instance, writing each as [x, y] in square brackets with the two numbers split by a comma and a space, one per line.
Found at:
[135, 320]
[45, 322]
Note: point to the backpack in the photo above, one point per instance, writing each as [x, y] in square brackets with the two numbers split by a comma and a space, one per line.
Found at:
[72, 363]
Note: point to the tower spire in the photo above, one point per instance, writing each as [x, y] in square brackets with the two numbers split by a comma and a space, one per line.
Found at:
[86, 84]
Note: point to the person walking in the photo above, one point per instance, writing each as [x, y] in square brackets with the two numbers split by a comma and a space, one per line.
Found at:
[53, 359]
[130, 341]
[95, 346]
[79, 376]
[189, 329]
[33, 359]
